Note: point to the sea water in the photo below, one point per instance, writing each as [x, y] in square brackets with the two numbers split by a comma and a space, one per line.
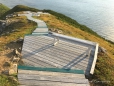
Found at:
[96, 14]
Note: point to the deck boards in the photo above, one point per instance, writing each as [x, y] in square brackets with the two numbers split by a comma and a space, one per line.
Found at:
[47, 83]
[46, 78]
[42, 24]
[39, 30]
[51, 50]
[51, 73]
[63, 55]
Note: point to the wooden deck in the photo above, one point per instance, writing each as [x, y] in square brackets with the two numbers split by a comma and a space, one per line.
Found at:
[47, 50]
[39, 51]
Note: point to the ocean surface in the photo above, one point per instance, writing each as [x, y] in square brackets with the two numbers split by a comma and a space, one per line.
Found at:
[96, 14]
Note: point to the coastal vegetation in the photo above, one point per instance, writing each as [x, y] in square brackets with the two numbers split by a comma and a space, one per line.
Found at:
[71, 22]
[104, 70]
[12, 33]
[7, 81]
[3, 9]
[103, 75]
[18, 8]
[20, 28]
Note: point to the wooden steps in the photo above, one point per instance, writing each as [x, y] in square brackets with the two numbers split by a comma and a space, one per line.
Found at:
[63, 64]
[40, 30]
[30, 77]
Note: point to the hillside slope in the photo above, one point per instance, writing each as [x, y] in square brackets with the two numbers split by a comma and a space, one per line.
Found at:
[104, 70]
[3, 9]
[19, 8]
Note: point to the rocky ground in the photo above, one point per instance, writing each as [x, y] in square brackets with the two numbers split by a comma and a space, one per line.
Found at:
[8, 55]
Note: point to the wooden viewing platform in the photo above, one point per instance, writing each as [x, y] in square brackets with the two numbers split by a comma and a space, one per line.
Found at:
[49, 58]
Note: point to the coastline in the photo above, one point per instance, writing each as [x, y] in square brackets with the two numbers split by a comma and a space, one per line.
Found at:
[89, 16]
[61, 23]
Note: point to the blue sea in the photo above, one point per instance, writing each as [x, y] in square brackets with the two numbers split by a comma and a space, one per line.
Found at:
[96, 14]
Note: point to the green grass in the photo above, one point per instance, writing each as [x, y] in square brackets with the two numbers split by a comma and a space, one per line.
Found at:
[19, 8]
[104, 71]
[7, 81]
[71, 22]
[3, 9]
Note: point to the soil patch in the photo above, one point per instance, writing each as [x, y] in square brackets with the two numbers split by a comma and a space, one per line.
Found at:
[7, 54]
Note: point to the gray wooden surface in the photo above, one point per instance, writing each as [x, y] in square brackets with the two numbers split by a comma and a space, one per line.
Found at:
[48, 83]
[42, 24]
[55, 51]
[38, 30]
[45, 78]
[39, 51]
[48, 73]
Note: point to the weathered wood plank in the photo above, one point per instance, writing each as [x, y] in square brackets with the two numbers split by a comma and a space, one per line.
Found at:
[29, 62]
[60, 41]
[40, 30]
[37, 62]
[47, 73]
[50, 60]
[52, 78]
[68, 49]
[49, 83]
[78, 65]
[94, 60]
[59, 55]
[39, 33]
[74, 40]
[64, 42]
[58, 47]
